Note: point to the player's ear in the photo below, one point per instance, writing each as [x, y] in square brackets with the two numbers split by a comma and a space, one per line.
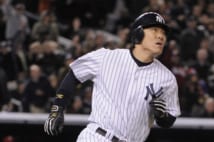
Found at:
[137, 35]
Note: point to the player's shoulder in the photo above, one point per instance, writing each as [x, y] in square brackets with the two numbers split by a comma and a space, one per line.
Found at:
[164, 69]
[103, 49]
[101, 53]
[112, 51]
[97, 52]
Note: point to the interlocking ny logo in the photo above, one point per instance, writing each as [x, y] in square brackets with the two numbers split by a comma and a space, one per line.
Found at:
[159, 19]
[150, 91]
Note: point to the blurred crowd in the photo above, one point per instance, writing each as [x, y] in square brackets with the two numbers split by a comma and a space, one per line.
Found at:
[35, 53]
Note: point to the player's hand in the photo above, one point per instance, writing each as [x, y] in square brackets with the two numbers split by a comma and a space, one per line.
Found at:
[54, 124]
[158, 107]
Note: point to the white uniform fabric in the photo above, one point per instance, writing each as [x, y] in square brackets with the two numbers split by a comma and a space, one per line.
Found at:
[122, 91]
[89, 135]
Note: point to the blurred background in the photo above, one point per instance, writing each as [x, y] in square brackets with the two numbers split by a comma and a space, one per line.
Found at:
[40, 38]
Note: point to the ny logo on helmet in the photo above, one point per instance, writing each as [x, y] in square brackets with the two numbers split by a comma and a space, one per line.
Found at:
[159, 19]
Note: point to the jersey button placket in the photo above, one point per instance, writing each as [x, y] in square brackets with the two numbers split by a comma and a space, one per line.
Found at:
[136, 75]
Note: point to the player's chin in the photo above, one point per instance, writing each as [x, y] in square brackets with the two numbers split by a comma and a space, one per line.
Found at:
[158, 47]
[157, 52]
[157, 55]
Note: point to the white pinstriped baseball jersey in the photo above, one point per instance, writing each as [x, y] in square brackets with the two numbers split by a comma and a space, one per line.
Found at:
[122, 91]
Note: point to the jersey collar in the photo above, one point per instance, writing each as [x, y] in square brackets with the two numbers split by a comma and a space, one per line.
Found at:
[139, 63]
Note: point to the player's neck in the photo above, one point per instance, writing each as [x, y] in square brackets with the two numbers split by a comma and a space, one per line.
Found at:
[142, 56]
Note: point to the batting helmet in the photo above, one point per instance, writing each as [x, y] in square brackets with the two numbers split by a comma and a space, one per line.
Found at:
[145, 20]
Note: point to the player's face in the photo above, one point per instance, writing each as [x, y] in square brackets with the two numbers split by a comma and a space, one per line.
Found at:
[154, 40]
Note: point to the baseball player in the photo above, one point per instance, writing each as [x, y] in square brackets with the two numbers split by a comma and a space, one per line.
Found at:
[131, 90]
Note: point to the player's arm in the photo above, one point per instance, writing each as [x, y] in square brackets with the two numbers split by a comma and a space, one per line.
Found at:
[65, 89]
[163, 118]
[55, 121]
[84, 68]
[166, 108]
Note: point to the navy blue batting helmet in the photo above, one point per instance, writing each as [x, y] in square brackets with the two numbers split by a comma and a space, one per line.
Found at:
[145, 20]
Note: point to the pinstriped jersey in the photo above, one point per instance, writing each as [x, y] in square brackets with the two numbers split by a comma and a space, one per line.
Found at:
[122, 91]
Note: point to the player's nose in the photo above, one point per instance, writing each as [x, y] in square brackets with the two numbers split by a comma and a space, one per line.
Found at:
[161, 36]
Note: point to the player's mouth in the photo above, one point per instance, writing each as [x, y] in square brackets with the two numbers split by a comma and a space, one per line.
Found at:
[159, 44]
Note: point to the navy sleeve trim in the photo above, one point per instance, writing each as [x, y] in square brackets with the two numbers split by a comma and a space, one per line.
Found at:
[166, 122]
[66, 89]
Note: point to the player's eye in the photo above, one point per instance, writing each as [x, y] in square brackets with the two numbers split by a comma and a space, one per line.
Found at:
[154, 29]
[163, 31]
[158, 30]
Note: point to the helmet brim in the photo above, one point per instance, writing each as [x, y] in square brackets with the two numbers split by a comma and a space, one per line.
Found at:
[163, 26]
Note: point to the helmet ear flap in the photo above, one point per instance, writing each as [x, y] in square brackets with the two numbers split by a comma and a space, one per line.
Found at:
[137, 35]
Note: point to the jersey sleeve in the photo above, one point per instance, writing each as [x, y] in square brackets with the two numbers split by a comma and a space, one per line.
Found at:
[87, 66]
[171, 97]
